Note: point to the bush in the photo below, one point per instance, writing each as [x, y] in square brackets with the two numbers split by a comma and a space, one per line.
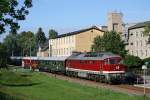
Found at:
[14, 79]
[147, 60]
[132, 61]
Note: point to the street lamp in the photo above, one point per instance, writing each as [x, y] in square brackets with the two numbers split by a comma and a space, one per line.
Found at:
[144, 67]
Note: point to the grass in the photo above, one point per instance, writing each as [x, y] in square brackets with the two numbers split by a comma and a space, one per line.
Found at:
[14, 79]
[50, 88]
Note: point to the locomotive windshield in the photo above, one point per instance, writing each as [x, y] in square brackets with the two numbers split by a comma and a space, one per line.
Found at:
[113, 61]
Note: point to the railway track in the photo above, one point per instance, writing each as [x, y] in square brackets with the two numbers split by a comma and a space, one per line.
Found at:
[127, 89]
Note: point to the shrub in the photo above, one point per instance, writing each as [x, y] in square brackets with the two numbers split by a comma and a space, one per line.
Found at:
[132, 61]
[147, 60]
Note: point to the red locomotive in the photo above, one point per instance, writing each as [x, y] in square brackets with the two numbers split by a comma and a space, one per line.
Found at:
[97, 66]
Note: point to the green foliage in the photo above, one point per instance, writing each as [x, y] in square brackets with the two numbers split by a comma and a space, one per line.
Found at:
[147, 60]
[132, 61]
[11, 44]
[3, 56]
[10, 12]
[52, 34]
[109, 42]
[40, 37]
[26, 40]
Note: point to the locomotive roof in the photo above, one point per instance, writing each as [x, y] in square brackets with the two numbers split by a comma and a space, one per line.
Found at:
[92, 56]
[41, 58]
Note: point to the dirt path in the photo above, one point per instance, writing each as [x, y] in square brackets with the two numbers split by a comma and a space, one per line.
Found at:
[127, 89]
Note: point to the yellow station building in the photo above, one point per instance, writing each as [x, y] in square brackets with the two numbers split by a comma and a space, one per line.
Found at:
[81, 40]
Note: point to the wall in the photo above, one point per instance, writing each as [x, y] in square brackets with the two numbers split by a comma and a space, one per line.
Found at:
[85, 40]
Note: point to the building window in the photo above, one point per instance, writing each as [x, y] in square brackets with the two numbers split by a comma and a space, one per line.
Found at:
[145, 42]
[141, 53]
[131, 52]
[125, 35]
[131, 43]
[70, 51]
[141, 42]
[64, 51]
[137, 43]
[131, 34]
[136, 34]
[146, 52]
[115, 26]
[141, 34]
[72, 39]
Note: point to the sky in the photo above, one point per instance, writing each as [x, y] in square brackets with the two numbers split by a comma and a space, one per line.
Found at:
[69, 15]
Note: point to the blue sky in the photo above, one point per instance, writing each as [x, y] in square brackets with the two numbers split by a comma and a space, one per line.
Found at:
[69, 15]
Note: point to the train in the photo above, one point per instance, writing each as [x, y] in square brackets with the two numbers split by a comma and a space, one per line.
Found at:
[98, 66]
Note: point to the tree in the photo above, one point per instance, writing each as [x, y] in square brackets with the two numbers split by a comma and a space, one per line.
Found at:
[27, 42]
[11, 44]
[52, 34]
[132, 61]
[109, 42]
[10, 12]
[3, 56]
[40, 37]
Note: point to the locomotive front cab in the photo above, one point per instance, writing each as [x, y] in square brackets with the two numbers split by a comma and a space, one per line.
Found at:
[114, 70]
[113, 64]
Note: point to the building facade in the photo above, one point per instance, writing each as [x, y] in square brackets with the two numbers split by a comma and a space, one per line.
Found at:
[124, 35]
[80, 41]
[137, 41]
[114, 22]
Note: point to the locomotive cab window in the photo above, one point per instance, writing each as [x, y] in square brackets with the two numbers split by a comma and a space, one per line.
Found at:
[114, 61]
